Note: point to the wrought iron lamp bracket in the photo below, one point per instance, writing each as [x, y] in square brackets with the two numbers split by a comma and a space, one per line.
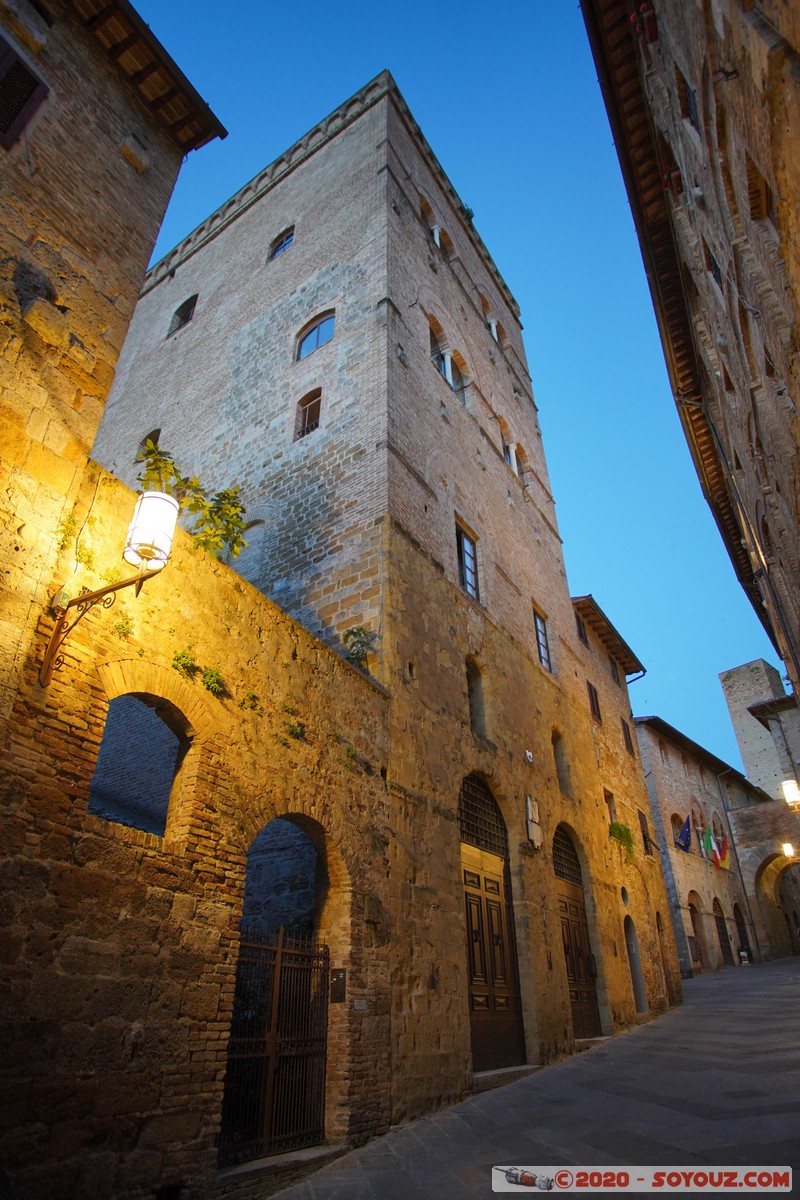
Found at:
[84, 603]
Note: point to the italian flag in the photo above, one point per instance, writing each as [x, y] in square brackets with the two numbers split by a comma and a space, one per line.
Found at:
[724, 855]
[710, 847]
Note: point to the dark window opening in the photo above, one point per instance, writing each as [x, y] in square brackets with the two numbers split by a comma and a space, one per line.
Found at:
[581, 628]
[627, 737]
[542, 643]
[467, 563]
[21, 93]
[282, 242]
[308, 413]
[143, 746]
[615, 672]
[688, 100]
[182, 315]
[647, 841]
[594, 701]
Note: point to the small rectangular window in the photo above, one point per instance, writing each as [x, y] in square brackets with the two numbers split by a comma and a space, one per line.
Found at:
[627, 736]
[594, 701]
[712, 265]
[647, 841]
[542, 644]
[21, 93]
[688, 100]
[467, 562]
[579, 625]
[762, 201]
[615, 671]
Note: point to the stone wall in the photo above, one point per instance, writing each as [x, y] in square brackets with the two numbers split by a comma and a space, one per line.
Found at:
[75, 247]
[121, 945]
[682, 784]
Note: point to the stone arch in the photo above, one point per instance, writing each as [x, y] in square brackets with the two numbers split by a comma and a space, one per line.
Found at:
[767, 883]
[297, 890]
[577, 914]
[698, 945]
[144, 702]
[722, 932]
[497, 1035]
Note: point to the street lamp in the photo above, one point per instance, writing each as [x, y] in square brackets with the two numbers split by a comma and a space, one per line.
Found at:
[788, 850]
[147, 547]
[791, 793]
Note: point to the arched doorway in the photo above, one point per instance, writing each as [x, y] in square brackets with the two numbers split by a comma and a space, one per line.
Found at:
[495, 1011]
[275, 1082]
[697, 940]
[635, 964]
[741, 933]
[580, 962]
[722, 933]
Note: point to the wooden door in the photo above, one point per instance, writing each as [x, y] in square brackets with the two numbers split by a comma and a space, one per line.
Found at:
[494, 1000]
[579, 960]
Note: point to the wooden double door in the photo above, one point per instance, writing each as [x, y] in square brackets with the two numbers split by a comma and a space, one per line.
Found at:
[579, 960]
[494, 1000]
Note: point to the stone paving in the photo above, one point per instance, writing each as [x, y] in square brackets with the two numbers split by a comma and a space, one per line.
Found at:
[713, 1083]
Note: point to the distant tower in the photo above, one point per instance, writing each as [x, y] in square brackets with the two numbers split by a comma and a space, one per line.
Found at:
[768, 742]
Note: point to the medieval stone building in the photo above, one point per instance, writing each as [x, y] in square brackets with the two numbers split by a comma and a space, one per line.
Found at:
[702, 97]
[767, 725]
[458, 815]
[691, 792]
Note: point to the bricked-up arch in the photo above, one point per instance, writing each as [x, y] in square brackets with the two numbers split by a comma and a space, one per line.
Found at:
[145, 739]
[698, 947]
[477, 707]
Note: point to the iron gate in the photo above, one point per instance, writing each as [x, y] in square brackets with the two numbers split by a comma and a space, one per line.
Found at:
[274, 1097]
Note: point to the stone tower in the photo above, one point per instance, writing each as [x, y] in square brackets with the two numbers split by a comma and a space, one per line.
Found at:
[337, 340]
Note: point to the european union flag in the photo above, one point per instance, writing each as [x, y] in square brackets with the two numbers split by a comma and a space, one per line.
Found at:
[684, 839]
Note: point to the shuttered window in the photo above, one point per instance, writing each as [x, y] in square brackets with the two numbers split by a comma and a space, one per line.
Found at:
[21, 93]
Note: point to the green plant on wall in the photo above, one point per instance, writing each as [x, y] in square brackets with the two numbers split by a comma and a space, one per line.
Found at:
[212, 681]
[360, 643]
[622, 834]
[219, 519]
[251, 702]
[123, 627]
[184, 662]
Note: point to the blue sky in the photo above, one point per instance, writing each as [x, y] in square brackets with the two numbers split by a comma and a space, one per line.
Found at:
[507, 96]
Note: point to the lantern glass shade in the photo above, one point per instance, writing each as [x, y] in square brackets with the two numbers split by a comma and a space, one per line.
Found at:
[791, 791]
[788, 849]
[151, 530]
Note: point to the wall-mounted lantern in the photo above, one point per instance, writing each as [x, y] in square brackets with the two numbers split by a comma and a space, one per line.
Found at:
[147, 547]
[788, 850]
[791, 794]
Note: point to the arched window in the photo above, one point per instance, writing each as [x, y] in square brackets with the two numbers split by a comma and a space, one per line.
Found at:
[477, 711]
[446, 243]
[459, 383]
[307, 417]
[315, 335]
[522, 459]
[182, 315]
[566, 864]
[508, 449]
[282, 242]
[144, 743]
[437, 354]
[480, 820]
[677, 828]
[153, 438]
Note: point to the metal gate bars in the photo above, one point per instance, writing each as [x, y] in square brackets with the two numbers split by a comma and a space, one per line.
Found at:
[274, 1097]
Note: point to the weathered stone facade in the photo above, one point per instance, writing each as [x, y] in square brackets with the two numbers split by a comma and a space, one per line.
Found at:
[767, 725]
[419, 508]
[708, 904]
[701, 96]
